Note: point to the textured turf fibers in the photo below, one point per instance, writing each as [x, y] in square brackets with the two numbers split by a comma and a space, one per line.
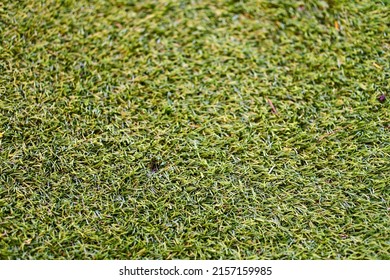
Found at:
[194, 129]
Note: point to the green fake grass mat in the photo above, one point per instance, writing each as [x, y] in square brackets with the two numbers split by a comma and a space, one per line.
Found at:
[194, 129]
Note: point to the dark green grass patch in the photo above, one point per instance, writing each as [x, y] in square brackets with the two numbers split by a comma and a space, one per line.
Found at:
[194, 129]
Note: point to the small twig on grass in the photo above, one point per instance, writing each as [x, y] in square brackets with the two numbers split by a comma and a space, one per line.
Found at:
[272, 107]
[337, 25]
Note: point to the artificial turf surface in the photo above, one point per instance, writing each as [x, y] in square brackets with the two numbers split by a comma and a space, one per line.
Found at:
[194, 129]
